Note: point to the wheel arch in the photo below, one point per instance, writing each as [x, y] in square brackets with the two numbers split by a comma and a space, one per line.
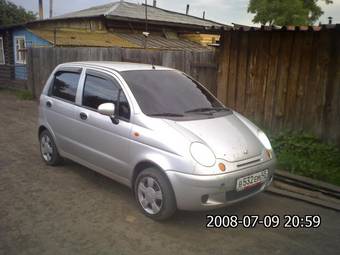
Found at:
[41, 129]
[44, 127]
[142, 165]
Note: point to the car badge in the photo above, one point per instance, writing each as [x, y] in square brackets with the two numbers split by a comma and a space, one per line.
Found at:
[245, 152]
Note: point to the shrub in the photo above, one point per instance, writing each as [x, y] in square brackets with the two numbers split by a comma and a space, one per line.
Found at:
[307, 155]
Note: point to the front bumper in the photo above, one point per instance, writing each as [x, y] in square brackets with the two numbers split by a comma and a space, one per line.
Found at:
[204, 192]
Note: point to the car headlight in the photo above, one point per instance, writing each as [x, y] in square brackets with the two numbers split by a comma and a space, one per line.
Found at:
[264, 140]
[202, 154]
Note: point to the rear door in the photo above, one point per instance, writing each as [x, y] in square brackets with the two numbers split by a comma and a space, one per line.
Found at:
[102, 143]
[60, 107]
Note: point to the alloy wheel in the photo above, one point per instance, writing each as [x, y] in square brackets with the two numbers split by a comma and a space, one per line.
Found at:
[150, 195]
[46, 148]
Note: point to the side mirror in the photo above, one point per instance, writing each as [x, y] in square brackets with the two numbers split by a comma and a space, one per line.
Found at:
[107, 109]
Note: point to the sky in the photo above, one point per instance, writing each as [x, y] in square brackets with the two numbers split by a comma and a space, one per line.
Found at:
[224, 11]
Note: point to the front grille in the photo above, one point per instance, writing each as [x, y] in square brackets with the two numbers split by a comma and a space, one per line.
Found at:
[248, 162]
[235, 195]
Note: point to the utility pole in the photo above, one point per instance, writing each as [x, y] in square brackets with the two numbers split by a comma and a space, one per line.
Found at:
[146, 32]
[146, 15]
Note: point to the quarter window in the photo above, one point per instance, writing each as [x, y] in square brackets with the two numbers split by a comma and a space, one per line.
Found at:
[99, 90]
[124, 108]
[65, 85]
[2, 55]
[20, 46]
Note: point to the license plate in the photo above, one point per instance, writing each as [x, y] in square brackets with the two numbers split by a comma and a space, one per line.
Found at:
[251, 180]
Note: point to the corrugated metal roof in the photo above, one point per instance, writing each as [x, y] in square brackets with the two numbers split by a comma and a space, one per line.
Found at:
[89, 12]
[160, 42]
[239, 27]
[126, 10]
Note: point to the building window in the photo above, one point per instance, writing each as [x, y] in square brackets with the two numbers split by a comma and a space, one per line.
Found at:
[20, 47]
[2, 53]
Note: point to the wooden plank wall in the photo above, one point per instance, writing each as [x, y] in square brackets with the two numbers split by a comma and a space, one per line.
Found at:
[283, 80]
[199, 64]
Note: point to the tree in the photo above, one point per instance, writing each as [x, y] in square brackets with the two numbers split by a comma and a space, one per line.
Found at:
[13, 14]
[286, 12]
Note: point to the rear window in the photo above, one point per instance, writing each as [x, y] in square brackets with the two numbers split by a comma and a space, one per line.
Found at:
[65, 85]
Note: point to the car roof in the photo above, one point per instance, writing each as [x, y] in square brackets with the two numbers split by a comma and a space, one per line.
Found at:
[119, 66]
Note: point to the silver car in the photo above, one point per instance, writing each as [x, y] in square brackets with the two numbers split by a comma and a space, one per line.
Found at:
[156, 130]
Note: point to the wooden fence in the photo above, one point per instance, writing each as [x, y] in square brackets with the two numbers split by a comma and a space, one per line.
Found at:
[283, 80]
[199, 64]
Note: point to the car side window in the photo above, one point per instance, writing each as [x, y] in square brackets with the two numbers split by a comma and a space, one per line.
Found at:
[98, 90]
[65, 85]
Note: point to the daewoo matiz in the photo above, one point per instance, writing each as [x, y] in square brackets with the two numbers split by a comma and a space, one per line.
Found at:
[156, 130]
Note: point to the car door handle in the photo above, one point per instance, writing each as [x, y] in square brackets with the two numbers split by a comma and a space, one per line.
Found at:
[49, 104]
[83, 116]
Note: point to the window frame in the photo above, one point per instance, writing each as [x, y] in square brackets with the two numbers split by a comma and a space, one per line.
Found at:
[75, 70]
[3, 50]
[17, 37]
[108, 76]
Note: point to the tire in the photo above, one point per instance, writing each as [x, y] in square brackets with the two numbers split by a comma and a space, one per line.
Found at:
[154, 194]
[48, 149]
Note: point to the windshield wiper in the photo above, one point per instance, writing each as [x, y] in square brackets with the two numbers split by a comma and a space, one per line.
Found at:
[167, 114]
[208, 109]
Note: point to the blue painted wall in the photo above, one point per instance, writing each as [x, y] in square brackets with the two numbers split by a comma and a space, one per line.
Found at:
[32, 40]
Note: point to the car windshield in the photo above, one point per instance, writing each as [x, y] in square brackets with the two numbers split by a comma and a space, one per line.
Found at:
[170, 93]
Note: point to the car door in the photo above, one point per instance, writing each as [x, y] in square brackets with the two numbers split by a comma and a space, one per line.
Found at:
[102, 142]
[60, 107]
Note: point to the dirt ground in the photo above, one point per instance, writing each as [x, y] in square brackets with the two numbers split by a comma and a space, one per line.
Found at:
[72, 210]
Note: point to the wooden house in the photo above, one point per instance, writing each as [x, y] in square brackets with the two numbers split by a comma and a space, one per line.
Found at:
[117, 24]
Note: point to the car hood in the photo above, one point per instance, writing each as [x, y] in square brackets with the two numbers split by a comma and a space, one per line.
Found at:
[227, 136]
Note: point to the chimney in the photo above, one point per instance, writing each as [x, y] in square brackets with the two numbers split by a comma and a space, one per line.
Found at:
[41, 10]
[51, 9]
[330, 19]
[187, 11]
[203, 14]
[154, 3]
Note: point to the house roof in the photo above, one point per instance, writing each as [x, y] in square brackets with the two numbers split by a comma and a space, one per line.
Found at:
[78, 37]
[160, 42]
[131, 11]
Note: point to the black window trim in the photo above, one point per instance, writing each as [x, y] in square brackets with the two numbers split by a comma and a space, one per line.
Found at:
[116, 83]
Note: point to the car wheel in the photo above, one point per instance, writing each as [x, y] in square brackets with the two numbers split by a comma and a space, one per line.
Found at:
[48, 149]
[154, 194]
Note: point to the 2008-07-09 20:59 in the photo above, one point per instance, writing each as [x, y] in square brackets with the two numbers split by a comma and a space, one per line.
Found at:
[267, 221]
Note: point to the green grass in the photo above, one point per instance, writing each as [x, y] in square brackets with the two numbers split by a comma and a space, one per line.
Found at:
[20, 94]
[24, 95]
[307, 155]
